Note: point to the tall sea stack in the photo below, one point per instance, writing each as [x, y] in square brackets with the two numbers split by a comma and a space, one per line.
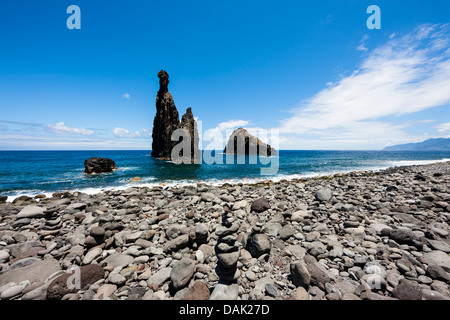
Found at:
[189, 124]
[167, 121]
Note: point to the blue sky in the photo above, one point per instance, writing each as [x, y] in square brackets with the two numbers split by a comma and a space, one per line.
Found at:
[310, 71]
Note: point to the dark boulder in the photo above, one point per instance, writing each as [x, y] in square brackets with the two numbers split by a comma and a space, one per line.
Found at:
[71, 282]
[260, 205]
[258, 244]
[407, 290]
[99, 165]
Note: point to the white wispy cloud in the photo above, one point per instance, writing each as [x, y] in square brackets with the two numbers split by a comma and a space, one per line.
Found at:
[362, 43]
[217, 137]
[126, 96]
[45, 142]
[60, 128]
[405, 75]
[443, 127]
[124, 133]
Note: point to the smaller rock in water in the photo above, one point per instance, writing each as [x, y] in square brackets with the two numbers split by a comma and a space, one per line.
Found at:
[99, 165]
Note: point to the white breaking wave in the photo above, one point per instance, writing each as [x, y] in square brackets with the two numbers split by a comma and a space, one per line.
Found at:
[150, 181]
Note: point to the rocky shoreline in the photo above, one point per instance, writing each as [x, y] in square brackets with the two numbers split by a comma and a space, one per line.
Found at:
[357, 236]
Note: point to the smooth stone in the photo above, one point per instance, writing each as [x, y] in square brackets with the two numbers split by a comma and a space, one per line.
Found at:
[118, 259]
[24, 262]
[407, 290]
[239, 205]
[20, 223]
[374, 267]
[250, 275]
[4, 255]
[176, 244]
[300, 274]
[439, 258]
[117, 279]
[222, 231]
[272, 290]
[299, 215]
[201, 231]
[207, 196]
[160, 277]
[323, 194]
[299, 294]
[199, 291]
[439, 245]
[258, 244]
[432, 295]
[35, 272]
[31, 211]
[91, 255]
[227, 198]
[318, 276]
[97, 232]
[38, 293]
[182, 272]
[225, 292]
[11, 292]
[285, 232]
[437, 272]
[260, 205]
[105, 290]
[296, 250]
[228, 259]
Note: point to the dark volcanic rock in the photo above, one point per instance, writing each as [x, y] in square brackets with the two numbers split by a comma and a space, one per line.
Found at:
[199, 291]
[71, 283]
[407, 290]
[258, 244]
[166, 120]
[99, 165]
[189, 124]
[260, 205]
[242, 142]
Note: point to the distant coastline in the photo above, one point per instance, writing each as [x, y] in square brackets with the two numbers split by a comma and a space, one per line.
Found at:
[439, 144]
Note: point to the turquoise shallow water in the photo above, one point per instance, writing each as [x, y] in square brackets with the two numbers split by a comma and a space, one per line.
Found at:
[36, 172]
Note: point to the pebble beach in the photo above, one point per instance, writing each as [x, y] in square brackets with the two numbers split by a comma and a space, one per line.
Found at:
[363, 235]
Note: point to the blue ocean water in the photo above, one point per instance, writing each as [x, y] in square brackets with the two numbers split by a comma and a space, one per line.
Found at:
[44, 172]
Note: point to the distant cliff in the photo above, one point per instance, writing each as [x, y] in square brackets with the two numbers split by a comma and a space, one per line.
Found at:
[440, 144]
